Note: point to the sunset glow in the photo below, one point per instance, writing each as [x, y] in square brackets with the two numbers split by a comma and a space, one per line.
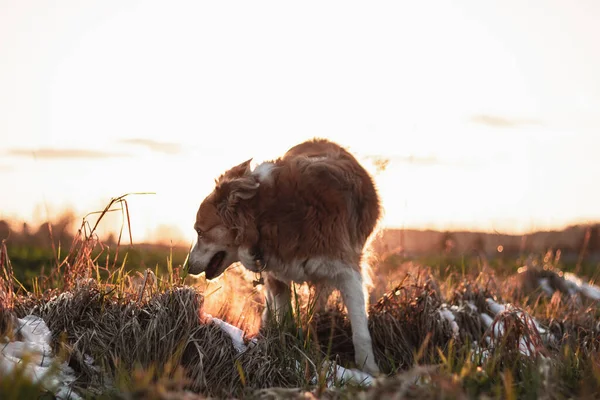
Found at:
[488, 114]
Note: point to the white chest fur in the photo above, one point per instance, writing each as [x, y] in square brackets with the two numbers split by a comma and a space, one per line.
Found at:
[312, 270]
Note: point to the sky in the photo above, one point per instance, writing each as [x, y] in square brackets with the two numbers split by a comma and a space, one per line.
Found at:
[487, 111]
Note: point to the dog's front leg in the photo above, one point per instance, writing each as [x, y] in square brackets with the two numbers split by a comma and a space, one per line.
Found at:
[277, 300]
[352, 290]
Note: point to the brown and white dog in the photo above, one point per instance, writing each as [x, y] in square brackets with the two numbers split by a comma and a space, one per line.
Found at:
[304, 217]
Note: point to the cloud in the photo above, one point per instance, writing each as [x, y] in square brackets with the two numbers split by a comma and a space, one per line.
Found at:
[50, 153]
[159, 147]
[419, 160]
[501, 122]
[383, 161]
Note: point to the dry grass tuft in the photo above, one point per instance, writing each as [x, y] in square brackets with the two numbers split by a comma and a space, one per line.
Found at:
[106, 335]
[7, 294]
[512, 333]
[405, 323]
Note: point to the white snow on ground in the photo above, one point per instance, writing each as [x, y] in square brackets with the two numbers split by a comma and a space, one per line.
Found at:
[236, 334]
[448, 315]
[479, 353]
[341, 374]
[487, 320]
[472, 306]
[576, 283]
[35, 346]
[499, 331]
[497, 308]
[544, 283]
[336, 374]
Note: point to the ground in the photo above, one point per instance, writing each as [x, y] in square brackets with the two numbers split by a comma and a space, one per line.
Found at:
[444, 326]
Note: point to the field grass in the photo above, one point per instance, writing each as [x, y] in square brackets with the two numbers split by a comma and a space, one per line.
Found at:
[129, 332]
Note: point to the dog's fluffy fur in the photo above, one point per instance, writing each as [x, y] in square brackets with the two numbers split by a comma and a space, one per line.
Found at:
[304, 217]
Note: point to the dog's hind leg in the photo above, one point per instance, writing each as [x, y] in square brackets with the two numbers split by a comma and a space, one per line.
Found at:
[277, 299]
[352, 290]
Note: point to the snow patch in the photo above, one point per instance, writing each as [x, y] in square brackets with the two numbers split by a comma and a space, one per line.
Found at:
[497, 308]
[447, 314]
[586, 289]
[35, 347]
[544, 283]
[335, 373]
[235, 333]
[341, 375]
[498, 331]
[472, 306]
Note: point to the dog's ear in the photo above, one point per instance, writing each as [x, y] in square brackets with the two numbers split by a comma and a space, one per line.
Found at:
[229, 192]
[238, 183]
[239, 170]
[242, 189]
[233, 186]
[236, 215]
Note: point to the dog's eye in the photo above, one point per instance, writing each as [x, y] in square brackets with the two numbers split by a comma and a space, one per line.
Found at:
[200, 233]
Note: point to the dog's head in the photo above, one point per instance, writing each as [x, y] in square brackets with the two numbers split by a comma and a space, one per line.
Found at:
[221, 222]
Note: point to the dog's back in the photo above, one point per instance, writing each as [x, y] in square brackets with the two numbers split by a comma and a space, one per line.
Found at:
[343, 166]
[317, 148]
[322, 202]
